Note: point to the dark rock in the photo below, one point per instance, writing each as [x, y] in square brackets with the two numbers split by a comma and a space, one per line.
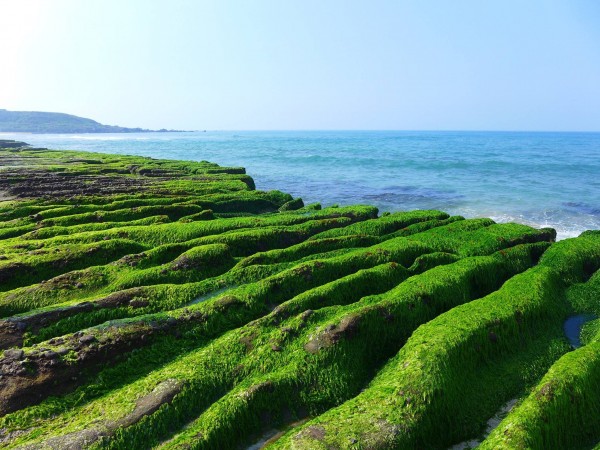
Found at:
[87, 339]
[315, 432]
[331, 334]
[16, 354]
[155, 325]
[306, 314]
[49, 355]
[138, 303]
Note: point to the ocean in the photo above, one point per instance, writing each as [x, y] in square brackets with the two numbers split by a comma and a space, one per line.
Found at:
[539, 178]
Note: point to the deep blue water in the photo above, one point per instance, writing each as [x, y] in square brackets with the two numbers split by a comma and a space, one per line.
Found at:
[572, 328]
[543, 179]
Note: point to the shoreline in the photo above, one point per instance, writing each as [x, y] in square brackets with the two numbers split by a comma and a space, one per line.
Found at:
[538, 179]
[150, 303]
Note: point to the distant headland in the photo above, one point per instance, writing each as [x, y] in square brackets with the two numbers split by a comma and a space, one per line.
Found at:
[52, 122]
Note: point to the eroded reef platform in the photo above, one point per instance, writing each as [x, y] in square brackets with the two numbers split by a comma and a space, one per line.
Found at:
[168, 304]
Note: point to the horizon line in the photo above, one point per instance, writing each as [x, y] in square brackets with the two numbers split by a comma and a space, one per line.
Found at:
[322, 130]
[396, 130]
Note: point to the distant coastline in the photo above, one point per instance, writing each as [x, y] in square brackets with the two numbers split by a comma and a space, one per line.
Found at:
[51, 122]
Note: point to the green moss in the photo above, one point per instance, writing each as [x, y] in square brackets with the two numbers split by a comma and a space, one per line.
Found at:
[563, 410]
[169, 304]
[425, 388]
[385, 225]
[590, 331]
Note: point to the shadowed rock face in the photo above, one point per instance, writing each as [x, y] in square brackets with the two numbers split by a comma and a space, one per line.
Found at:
[168, 304]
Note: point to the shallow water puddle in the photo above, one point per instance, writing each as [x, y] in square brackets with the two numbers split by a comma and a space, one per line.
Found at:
[572, 328]
[491, 425]
[208, 296]
[273, 435]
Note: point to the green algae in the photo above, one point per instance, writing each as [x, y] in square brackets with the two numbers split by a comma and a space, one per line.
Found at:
[563, 410]
[169, 304]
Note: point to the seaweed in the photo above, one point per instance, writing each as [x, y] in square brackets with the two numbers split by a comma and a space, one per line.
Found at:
[150, 303]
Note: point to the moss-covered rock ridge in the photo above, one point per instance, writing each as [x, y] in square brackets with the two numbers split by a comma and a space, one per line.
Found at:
[167, 304]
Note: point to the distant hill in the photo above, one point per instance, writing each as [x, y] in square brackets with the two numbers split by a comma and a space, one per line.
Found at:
[51, 122]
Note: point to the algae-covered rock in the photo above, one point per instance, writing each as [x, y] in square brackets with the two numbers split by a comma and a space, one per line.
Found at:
[168, 304]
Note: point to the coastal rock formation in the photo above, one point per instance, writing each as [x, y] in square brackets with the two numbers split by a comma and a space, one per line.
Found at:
[166, 304]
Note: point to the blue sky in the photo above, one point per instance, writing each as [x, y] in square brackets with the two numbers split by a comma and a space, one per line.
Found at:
[310, 64]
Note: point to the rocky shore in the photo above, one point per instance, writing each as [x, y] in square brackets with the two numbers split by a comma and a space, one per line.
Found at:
[166, 304]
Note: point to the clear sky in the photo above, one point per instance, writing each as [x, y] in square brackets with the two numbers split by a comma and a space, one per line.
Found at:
[306, 64]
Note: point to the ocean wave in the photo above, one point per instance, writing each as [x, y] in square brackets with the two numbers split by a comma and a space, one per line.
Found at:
[564, 228]
[582, 208]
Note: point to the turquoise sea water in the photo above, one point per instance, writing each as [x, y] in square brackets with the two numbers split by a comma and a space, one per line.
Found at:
[543, 179]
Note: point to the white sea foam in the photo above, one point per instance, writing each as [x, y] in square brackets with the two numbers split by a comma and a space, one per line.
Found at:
[563, 230]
